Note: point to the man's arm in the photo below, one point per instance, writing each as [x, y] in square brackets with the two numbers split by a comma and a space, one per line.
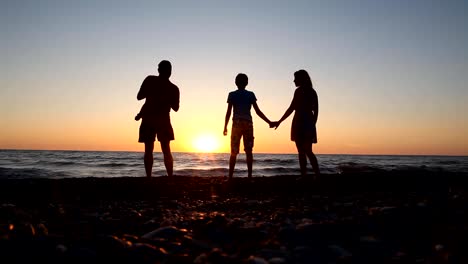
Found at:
[142, 93]
[226, 120]
[176, 100]
[260, 113]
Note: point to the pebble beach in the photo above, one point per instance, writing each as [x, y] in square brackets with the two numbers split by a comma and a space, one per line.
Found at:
[338, 218]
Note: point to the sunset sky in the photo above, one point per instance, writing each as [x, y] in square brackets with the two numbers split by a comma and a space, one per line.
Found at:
[391, 76]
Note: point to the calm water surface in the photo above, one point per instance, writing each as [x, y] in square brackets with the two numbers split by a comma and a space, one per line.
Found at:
[63, 164]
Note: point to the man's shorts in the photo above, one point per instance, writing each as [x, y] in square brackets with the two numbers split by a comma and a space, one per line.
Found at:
[242, 129]
[160, 127]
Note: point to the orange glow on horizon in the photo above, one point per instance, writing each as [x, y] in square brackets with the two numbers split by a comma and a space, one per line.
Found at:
[205, 135]
[206, 143]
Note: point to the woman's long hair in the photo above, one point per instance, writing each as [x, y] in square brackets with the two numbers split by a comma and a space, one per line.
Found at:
[304, 79]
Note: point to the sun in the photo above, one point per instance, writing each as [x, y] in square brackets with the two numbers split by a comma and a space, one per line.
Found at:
[206, 143]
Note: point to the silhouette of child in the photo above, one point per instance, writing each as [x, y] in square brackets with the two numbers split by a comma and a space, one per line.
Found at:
[241, 101]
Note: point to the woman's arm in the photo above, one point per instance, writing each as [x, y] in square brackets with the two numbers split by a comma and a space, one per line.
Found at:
[287, 113]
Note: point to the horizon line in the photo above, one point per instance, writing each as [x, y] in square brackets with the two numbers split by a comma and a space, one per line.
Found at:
[262, 153]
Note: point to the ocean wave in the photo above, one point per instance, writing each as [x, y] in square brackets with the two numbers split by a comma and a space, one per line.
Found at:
[279, 169]
[278, 160]
[61, 164]
[113, 164]
[353, 167]
[205, 172]
[23, 173]
[269, 171]
[58, 163]
[449, 162]
[419, 169]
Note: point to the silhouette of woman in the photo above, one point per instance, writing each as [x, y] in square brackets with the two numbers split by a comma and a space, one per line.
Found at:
[303, 131]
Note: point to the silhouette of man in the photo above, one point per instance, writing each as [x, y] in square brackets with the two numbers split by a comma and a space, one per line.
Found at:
[242, 125]
[161, 96]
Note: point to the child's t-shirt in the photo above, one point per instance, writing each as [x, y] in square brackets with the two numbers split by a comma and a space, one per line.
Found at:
[242, 101]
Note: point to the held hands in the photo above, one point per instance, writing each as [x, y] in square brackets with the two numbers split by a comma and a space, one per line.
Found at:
[274, 124]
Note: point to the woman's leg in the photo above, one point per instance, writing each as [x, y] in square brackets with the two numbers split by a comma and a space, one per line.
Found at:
[302, 158]
[305, 151]
[313, 159]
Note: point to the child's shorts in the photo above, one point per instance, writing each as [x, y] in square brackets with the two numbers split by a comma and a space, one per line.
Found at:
[242, 129]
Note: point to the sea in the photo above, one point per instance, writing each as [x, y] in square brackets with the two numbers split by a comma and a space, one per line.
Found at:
[53, 164]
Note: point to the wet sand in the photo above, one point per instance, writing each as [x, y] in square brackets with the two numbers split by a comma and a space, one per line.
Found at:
[410, 217]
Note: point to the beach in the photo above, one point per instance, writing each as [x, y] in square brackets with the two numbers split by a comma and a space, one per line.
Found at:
[365, 99]
[404, 217]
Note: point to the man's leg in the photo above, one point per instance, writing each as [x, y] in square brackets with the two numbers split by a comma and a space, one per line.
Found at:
[148, 158]
[168, 161]
[249, 157]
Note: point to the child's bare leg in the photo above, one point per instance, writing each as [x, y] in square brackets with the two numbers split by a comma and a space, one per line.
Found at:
[232, 164]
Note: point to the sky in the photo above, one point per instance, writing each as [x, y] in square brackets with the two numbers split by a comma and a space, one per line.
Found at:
[391, 76]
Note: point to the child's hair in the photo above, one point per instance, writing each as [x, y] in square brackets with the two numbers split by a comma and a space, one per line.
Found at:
[242, 80]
